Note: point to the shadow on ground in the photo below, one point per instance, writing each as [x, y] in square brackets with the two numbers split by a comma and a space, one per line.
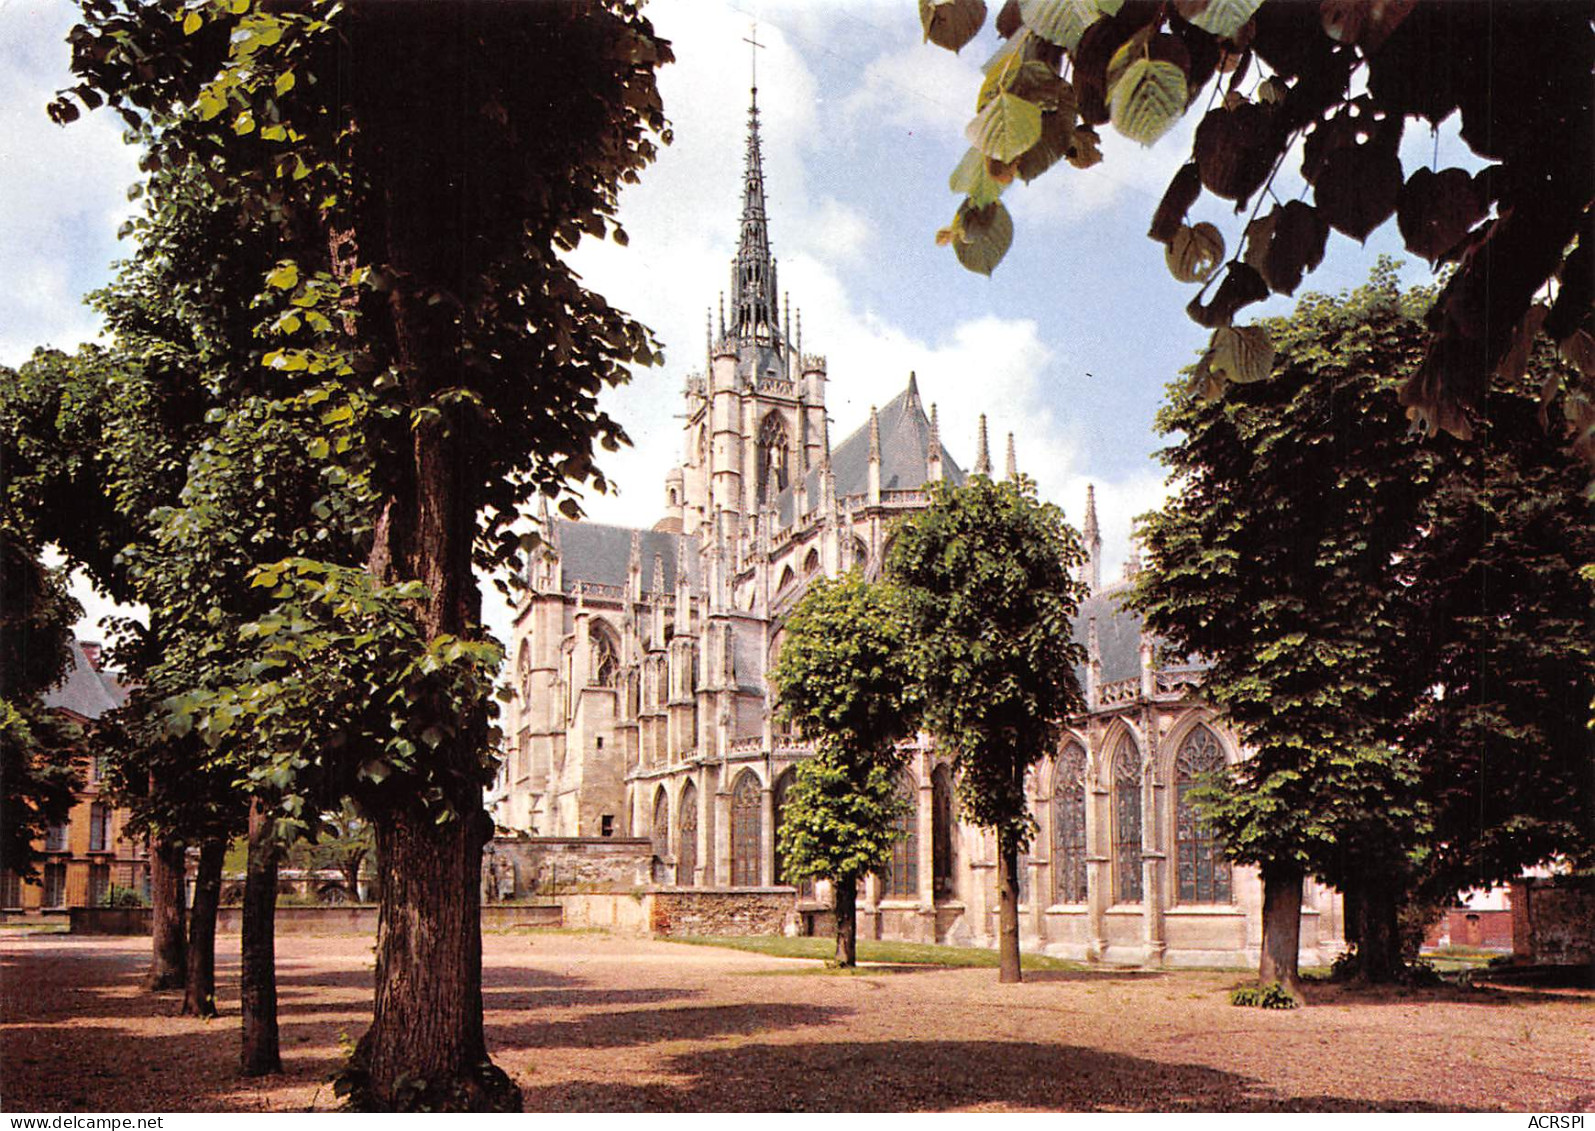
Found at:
[934, 1076]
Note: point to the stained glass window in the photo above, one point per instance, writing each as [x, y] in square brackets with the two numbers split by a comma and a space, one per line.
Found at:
[687, 858]
[746, 842]
[901, 878]
[1068, 827]
[1127, 823]
[1203, 875]
[942, 831]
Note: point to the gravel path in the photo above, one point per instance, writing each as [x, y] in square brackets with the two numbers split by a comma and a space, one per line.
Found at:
[597, 1022]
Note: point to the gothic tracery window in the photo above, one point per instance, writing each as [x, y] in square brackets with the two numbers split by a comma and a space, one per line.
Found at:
[901, 877]
[1068, 827]
[606, 665]
[942, 832]
[747, 817]
[1127, 822]
[687, 857]
[772, 453]
[1203, 875]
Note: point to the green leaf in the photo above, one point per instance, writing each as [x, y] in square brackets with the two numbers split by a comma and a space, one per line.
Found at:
[1006, 127]
[1148, 99]
[1193, 253]
[1241, 354]
[987, 235]
[951, 23]
[284, 277]
[1059, 21]
[972, 179]
[1222, 18]
[284, 83]
[192, 23]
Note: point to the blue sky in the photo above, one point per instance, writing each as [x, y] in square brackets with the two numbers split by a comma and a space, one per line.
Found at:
[1069, 345]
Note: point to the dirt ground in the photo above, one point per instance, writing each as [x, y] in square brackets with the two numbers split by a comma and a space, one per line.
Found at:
[588, 1022]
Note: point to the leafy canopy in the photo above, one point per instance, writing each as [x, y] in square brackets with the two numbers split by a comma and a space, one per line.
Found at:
[986, 575]
[1329, 86]
[843, 679]
[1395, 625]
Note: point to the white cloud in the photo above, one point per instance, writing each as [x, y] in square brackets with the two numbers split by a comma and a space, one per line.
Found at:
[917, 89]
[1128, 171]
[62, 189]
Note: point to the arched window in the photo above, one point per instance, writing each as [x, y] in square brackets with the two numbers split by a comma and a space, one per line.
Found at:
[860, 555]
[606, 662]
[1127, 822]
[901, 878]
[787, 579]
[941, 856]
[661, 823]
[1068, 827]
[811, 564]
[783, 786]
[772, 453]
[523, 672]
[1203, 873]
[687, 824]
[747, 818]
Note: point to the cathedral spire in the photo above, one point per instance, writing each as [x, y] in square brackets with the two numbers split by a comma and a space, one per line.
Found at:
[753, 290]
[983, 452]
[1013, 462]
[1093, 541]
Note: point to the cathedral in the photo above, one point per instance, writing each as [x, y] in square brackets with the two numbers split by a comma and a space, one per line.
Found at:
[641, 707]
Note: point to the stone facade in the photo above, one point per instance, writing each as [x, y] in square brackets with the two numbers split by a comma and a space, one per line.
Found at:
[641, 706]
[93, 851]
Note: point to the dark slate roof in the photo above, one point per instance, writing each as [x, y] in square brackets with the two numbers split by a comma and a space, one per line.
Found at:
[905, 440]
[595, 552]
[84, 691]
[1118, 634]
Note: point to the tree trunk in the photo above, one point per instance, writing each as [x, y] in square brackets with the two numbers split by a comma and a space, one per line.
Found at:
[351, 876]
[1008, 969]
[425, 1047]
[169, 949]
[846, 903]
[260, 1055]
[1377, 932]
[1282, 892]
[199, 995]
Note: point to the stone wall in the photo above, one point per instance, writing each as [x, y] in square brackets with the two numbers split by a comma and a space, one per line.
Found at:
[110, 920]
[520, 867]
[1553, 921]
[723, 911]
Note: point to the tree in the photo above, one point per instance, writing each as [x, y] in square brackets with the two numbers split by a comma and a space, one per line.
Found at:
[843, 680]
[422, 198]
[986, 577]
[1322, 559]
[39, 775]
[1336, 83]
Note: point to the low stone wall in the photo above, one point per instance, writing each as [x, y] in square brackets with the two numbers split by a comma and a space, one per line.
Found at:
[723, 911]
[1553, 921]
[361, 918]
[524, 866]
[623, 912]
[110, 920]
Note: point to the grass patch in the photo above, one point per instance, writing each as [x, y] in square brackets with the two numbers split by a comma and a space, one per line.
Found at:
[1452, 959]
[895, 953]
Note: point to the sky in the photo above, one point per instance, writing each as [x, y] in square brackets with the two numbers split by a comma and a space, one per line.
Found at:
[1069, 345]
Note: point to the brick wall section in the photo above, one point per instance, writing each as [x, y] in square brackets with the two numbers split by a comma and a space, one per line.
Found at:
[1560, 917]
[710, 911]
[550, 865]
